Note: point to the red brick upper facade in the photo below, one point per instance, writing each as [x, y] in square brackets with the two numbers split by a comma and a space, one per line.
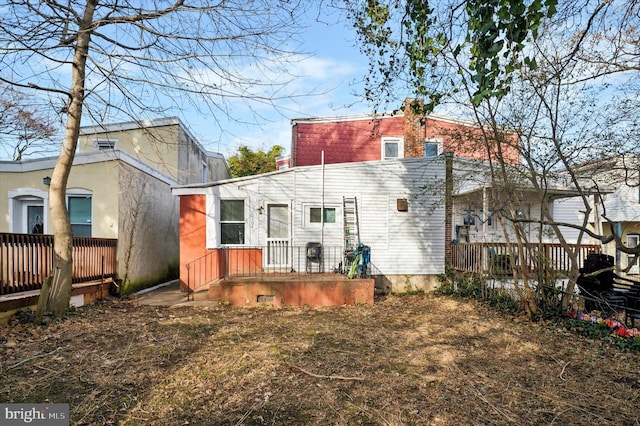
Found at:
[362, 138]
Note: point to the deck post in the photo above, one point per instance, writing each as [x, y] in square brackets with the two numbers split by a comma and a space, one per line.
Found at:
[448, 205]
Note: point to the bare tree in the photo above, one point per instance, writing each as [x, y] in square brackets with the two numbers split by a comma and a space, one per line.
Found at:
[27, 128]
[109, 58]
[565, 81]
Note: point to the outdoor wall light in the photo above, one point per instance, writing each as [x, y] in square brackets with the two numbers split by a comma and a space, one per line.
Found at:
[260, 210]
[46, 180]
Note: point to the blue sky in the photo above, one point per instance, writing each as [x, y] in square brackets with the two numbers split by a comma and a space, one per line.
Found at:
[326, 81]
[323, 82]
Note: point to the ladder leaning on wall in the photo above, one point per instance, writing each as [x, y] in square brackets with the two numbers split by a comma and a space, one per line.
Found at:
[351, 225]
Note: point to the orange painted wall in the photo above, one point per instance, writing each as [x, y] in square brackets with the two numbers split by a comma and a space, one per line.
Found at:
[193, 232]
[243, 261]
[193, 246]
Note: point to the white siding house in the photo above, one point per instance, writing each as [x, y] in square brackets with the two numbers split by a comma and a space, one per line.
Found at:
[282, 209]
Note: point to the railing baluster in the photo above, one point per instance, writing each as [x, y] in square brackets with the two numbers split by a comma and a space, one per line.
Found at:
[469, 257]
[26, 259]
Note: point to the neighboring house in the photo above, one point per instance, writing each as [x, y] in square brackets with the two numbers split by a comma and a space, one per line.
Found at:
[354, 138]
[283, 162]
[619, 211]
[278, 214]
[119, 187]
[476, 211]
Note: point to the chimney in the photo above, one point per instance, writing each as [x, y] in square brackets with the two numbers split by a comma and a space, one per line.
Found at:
[413, 128]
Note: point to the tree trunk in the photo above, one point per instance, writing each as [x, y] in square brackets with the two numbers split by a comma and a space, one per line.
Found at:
[60, 289]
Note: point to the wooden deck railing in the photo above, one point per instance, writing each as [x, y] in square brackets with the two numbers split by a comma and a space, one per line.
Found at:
[26, 259]
[495, 257]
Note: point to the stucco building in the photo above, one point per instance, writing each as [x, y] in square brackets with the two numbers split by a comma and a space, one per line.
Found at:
[119, 187]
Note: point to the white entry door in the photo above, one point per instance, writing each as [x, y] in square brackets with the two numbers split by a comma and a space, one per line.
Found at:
[278, 248]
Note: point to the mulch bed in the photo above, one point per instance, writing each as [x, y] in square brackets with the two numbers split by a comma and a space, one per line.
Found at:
[406, 360]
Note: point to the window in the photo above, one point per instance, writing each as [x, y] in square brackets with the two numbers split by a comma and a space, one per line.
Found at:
[35, 215]
[469, 217]
[329, 215]
[488, 219]
[102, 144]
[392, 148]
[80, 215]
[432, 147]
[232, 221]
[205, 172]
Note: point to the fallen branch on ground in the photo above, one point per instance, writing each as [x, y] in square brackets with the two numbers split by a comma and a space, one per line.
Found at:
[33, 357]
[320, 376]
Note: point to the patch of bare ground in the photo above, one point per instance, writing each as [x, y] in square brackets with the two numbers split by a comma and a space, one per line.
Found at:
[404, 361]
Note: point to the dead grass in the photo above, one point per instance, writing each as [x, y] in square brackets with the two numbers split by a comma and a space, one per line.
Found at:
[406, 360]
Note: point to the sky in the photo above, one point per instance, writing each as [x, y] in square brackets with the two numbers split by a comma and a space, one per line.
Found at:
[328, 78]
[326, 83]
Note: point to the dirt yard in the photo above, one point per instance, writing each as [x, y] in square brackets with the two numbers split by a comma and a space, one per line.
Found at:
[404, 361]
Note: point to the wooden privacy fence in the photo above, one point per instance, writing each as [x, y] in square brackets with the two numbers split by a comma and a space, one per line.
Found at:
[496, 257]
[26, 259]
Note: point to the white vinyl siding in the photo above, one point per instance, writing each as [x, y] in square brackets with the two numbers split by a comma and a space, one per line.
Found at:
[402, 242]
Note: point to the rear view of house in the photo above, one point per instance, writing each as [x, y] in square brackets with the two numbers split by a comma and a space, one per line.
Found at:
[273, 220]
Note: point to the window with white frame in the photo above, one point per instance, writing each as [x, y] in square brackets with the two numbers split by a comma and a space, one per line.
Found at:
[80, 214]
[469, 217]
[392, 148]
[313, 215]
[489, 219]
[329, 215]
[432, 147]
[104, 144]
[232, 221]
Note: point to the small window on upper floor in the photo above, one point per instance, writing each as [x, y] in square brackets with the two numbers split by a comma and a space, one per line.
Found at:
[103, 144]
[392, 148]
[432, 147]
[205, 172]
